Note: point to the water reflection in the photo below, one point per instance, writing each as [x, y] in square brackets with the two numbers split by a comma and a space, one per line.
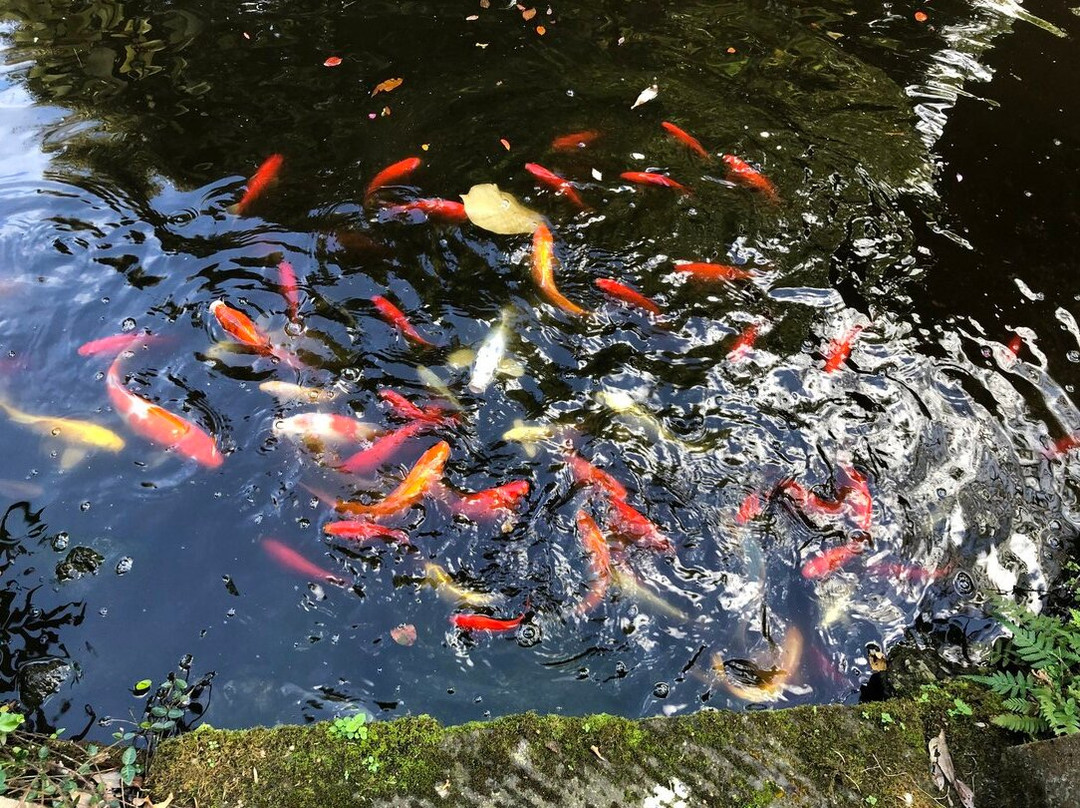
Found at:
[153, 117]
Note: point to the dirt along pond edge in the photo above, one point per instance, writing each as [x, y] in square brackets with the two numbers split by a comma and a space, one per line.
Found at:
[873, 754]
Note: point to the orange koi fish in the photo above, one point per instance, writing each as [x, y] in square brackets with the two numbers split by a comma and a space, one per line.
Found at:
[324, 427]
[240, 327]
[446, 210]
[596, 547]
[407, 411]
[553, 180]
[652, 178]
[382, 451]
[1062, 446]
[831, 560]
[630, 524]
[840, 350]
[290, 288]
[425, 474]
[627, 295]
[713, 272]
[743, 173]
[262, 179]
[481, 622]
[290, 559]
[160, 426]
[489, 502]
[396, 317]
[543, 258]
[115, 344]
[393, 173]
[585, 473]
[574, 140]
[685, 138]
[363, 532]
[743, 343]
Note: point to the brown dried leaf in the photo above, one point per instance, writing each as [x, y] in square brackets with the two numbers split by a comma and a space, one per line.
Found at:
[596, 752]
[499, 212]
[528, 14]
[387, 86]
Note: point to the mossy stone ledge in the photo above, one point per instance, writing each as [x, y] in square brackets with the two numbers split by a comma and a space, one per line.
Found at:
[862, 755]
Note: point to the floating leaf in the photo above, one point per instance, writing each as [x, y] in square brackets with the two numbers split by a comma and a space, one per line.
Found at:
[528, 14]
[387, 86]
[646, 95]
[405, 634]
[499, 212]
[332, 61]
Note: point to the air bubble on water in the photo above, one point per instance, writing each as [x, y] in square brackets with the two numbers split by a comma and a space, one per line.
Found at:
[105, 300]
[303, 522]
[230, 613]
[128, 324]
[123, 566]
[60, 541]
[103, 611]
[350, 374]
[569, 93]
[582, 673]
[11, 354]
[1073, 356]
[84, 506]
[294, 328]
[661, 690]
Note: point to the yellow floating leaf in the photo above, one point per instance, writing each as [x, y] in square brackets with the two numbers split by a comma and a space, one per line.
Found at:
[499, 212]
[387, 86]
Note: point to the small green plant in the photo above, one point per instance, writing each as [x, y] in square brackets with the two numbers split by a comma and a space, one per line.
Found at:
[9, 722]
[1040, 675]
[960, 707]
[349, 728]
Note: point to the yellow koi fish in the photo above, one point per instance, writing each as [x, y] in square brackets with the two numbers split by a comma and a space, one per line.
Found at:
[443, 582]
[82, 434]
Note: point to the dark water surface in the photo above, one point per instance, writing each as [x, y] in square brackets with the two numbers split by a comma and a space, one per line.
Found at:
[928, 181]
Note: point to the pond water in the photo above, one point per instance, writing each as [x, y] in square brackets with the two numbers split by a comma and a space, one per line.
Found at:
[821, 505]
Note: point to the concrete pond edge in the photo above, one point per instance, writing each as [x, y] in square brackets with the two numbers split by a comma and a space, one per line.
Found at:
[872, 754]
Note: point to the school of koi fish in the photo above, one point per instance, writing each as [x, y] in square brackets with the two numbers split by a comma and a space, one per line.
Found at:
[612, 525]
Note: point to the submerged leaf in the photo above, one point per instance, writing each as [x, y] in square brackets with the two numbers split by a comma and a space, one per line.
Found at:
[499, 212]
[405, 634]
[387, 86]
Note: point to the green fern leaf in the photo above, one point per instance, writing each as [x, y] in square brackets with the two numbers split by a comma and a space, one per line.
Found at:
[1030, 724]
[1019, 706]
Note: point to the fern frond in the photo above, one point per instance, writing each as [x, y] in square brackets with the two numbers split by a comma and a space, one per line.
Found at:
[1030, 724]
[1019, 706]
[1005, 683]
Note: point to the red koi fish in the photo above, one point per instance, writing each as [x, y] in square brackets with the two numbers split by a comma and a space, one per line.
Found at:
[382, 451]
[840, 350]
[1016, 344]
[744, 343]
[290, 288]
[596, 547]
[855, 493]
[115, 344]
[627, 295]
[553, 180]
[489, 502]
[686, 138]
[396, 317]
[574, 140]
[292, 560]
[418, 482]
[393, 173]
[481, 622]
[713, 272]
[263, 178]
[908, 572]
[1062, 446]
[363, 532]
[324, 427]
[543, 272]
[743, 173]
[585, 473]
[445, 210]
[630, 524]
[750, 508]
[407, 411]
[831, 560]
[160, 426]
[651, 178]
